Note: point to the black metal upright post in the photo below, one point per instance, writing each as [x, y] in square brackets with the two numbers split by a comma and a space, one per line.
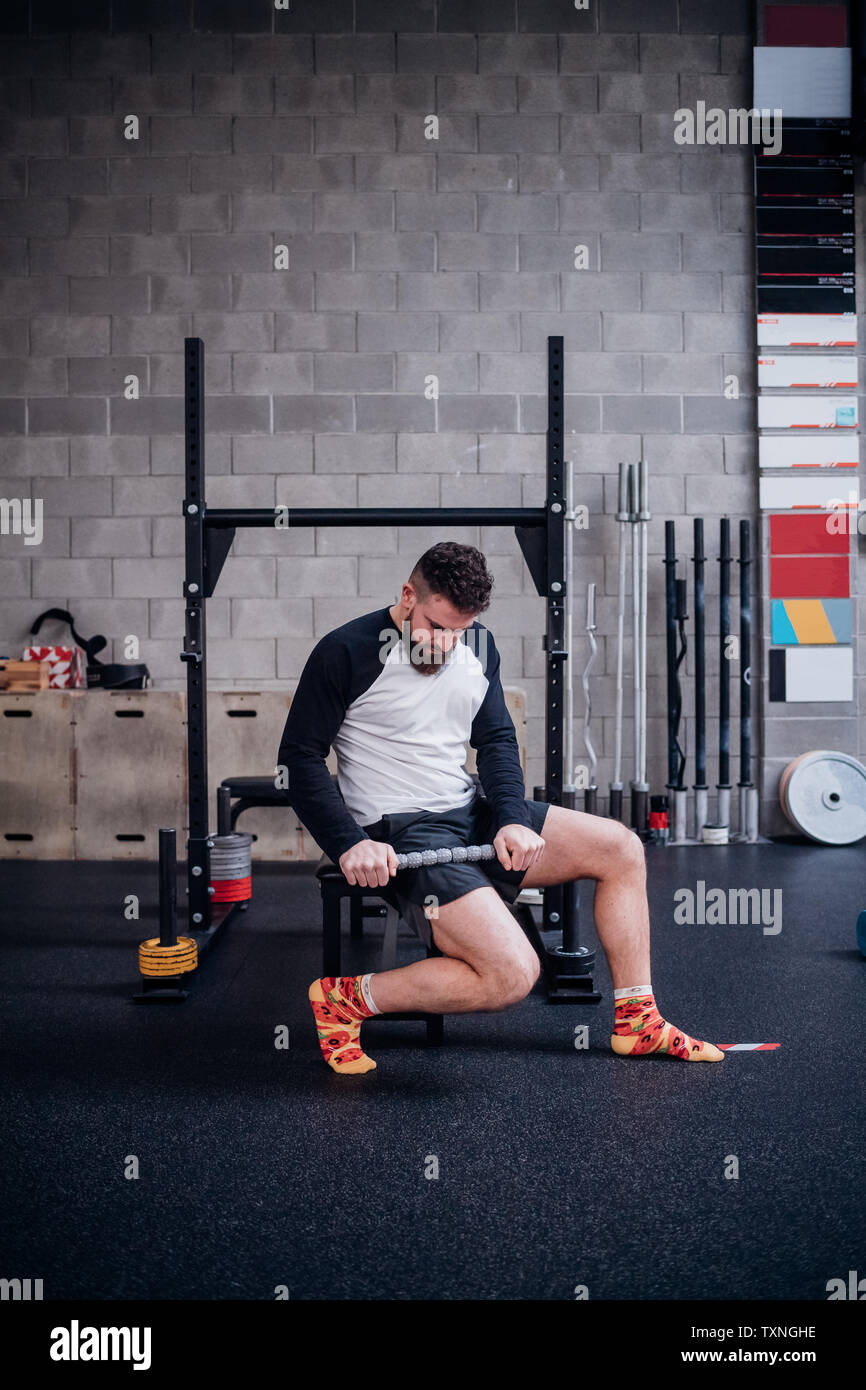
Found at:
[195, 648]
[554, 642]
[700, 663]
[724, 782]
[745, 657]
[682, 618]
[167, 886]
[570, 964]
[673, 712]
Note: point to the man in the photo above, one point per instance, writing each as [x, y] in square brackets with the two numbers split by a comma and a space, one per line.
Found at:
[398, 693]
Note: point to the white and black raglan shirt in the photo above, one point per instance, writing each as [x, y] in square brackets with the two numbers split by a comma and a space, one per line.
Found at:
[400, 736]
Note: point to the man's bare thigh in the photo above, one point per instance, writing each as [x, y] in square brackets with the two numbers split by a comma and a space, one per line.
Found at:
[479, 929]
[578, 845]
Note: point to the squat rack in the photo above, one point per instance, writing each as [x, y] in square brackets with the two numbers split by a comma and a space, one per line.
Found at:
[209, 533]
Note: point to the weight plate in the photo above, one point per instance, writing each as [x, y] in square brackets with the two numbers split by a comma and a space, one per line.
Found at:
[824, 796]
[230, 858]
[155, 959]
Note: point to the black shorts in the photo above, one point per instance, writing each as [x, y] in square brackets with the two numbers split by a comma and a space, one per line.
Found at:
[439, 884]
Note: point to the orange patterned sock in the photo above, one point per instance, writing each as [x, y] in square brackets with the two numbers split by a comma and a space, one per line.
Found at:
[640, 1029]
[339, 1008]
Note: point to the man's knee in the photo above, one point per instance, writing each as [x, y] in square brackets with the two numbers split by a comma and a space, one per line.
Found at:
[630, 849]
[511, 980]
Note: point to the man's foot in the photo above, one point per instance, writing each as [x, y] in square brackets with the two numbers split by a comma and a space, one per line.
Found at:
[339, 1010]
[640, 1029]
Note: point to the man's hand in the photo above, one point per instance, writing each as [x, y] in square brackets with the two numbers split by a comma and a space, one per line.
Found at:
[370, 863]
[518, 847]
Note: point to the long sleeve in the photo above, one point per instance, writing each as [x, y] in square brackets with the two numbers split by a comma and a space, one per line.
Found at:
[498, 758]
[316, 713]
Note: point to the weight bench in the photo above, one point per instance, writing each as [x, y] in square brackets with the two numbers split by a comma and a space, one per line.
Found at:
[238, 794]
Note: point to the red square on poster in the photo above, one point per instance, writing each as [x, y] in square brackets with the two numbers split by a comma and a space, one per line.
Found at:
[805, 26]
[807, 535]
[817, 576]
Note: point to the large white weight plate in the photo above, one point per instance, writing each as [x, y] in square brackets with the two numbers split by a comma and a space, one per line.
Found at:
[824, 795]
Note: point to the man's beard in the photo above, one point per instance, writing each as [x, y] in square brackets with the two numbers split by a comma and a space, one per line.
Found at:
[429, 668]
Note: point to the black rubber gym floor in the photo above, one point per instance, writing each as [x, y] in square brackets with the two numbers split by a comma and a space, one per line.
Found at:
[258, 1167]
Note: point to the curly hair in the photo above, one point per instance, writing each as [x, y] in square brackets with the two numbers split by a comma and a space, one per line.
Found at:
[456, 572]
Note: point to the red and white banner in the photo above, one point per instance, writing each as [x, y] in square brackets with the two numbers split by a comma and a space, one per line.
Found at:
[65, 665]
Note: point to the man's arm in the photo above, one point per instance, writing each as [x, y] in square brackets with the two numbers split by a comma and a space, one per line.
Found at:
[317, 710]
[498, 757]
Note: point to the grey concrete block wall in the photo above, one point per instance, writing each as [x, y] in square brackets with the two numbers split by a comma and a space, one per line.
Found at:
[407, 257]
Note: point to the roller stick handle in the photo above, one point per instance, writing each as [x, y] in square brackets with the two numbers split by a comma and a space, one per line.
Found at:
[457, 854]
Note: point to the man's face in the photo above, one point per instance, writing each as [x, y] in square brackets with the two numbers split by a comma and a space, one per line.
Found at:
[435, 628]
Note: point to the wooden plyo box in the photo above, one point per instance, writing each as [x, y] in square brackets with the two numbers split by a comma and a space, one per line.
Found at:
[37, 775]
[131, 772]
[18, 677]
